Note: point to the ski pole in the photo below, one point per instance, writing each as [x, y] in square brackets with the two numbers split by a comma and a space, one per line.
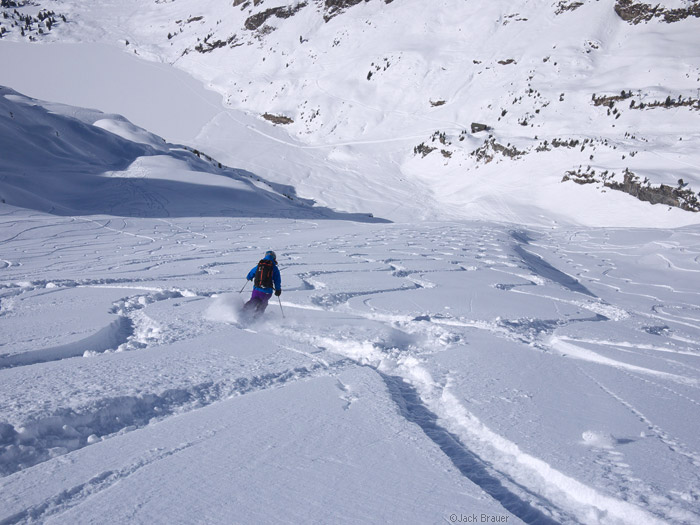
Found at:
[246, 284]
[281, 310]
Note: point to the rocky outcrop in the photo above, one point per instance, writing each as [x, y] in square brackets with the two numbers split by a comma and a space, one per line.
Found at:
[277, 119]
[423, 149]
[477, 127]
[335, 7]
[488, 151]
[636, 13]
[609, 101]
[255, 21]
[567, 5]
[680, 197]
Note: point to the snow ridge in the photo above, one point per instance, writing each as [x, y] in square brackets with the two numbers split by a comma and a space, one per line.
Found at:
[77, 162]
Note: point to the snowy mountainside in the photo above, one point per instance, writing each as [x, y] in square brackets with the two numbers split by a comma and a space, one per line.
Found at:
[74, 161]
[513, 370]
[541, 112]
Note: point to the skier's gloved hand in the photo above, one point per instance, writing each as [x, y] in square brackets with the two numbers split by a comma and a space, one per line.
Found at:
[278, 292]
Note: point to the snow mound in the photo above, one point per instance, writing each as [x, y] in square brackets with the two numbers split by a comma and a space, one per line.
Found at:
[597, 439]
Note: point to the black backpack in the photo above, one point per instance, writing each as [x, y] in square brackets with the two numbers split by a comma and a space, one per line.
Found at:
[263, 275]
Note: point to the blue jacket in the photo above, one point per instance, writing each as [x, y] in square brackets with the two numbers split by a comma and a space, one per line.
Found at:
[276, 277]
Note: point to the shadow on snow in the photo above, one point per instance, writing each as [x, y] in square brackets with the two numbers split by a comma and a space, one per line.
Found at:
[469, 464]
[62, 165]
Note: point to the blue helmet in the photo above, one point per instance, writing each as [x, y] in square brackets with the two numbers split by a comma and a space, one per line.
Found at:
[271, 254]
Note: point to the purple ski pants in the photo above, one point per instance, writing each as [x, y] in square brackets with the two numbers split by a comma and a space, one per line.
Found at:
[258, 301]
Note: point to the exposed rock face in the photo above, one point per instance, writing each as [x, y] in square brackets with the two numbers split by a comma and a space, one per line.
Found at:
[341, 4]
[257, 20]
[488, 151]
[567, 5]
[335, 7]
[636, 13]
[679, 197]
[423, 149]
[277, 119]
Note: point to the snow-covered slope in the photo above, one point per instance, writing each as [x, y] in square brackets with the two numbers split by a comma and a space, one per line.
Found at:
[377, 99]
[420, 373]
[520, 370]
[73, 161]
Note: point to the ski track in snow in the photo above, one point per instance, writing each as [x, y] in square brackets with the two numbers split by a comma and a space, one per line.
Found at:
[481, 334]
[103, 481]
[384, 294]
[406, 395]
[672, 443]
[42, 439]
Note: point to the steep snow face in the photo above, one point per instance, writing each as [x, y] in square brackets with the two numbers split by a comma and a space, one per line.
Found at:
[73, 161]
[543, 112]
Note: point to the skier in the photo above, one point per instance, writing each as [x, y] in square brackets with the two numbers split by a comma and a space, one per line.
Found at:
[264, 276]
